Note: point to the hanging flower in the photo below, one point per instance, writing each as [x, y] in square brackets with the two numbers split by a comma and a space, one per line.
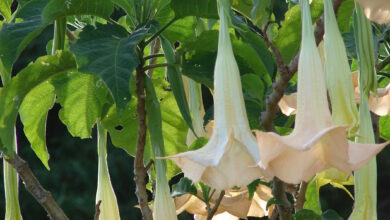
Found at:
[229, 157]
[376, 10]
[315, 143]
[234, 205]
[105, 193]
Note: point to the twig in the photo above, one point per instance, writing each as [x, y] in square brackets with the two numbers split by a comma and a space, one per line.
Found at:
[159, 31]
[382, 64]
[153, 56]
[211, 211]
[154, 48]
[147, 167]
[35, 188]
[267, 117]
[97, 210]
[301, 197]
[140, 172]
[152, 66]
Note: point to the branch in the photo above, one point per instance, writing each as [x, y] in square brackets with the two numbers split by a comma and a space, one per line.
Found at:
[34, 187]
[160, 31]
[382, 64]
[211, 212]
[152, 66]
[267, 117]
[301, 197]
[97, 210]
[140, 171]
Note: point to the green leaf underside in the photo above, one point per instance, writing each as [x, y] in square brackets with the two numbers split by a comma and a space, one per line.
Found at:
[173, 126]
[109, 52]
[199, 8]
[82, 97]
[62, 8]
[176, 81]
[12, 95]
[33, 114]
[184, 186]
[312, 198]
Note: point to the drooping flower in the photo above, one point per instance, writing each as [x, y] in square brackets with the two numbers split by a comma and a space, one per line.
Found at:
[229, 157]
[234, 205]
[315, 143]
[105, 193]
[376, 10]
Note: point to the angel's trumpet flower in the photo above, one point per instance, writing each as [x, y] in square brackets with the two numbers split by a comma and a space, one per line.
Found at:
[105, 193]
[315, 143]
[379, 104]
[235, 204]
[376, 10]
[229, 157]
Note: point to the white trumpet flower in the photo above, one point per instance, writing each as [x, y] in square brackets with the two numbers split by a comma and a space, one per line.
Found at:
[229, 157]
[105, 193]
[315, 143]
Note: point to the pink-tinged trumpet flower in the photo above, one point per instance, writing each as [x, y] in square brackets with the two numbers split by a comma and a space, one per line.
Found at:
[234, 205]
[376, 10]
[315, 143]
[230, 156]
[105, 193]
[379, 104]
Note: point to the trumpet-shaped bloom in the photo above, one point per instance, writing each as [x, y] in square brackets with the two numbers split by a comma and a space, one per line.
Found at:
[379, 104]
[229, 158]
[315, 143]
[376, 10]
[235, 204]
[105, 193]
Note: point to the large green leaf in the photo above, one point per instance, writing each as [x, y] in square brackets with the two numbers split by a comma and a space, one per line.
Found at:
[62, 8]
[199, 60]
[12, 95]
[181, 30]
[384, 127]
[198, 8]
[109, 52]
[176, 80]
[289, 37]
[5, 9]
[82, 97]
[123, 131]
[33, 113]
[14, 37]
[312, 197]
[344, 15]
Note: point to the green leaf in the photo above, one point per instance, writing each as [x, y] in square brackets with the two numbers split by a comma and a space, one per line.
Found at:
[198, 8]
[289, 36]
[184, 186]
[176, 81]
[5, 9]
[14, 37]
[198, 143]
[33, 114]
[344, 15]
[62, 8]
[181, 30]
[330, 215]
[384, 127]
[306, 214]
[12, 95]
[252, 187]
[253, 86]
[275, 201]
[312, 197]
[82, 97]
[109, 52]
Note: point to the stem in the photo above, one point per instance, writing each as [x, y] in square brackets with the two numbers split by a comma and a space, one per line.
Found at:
[301, 197]
[382, 64]
[33, 186]
[97, 210]
[160, 31]
[158, 65]
[154, 56]
[211, 212]
[140, 171]
[59, 35]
